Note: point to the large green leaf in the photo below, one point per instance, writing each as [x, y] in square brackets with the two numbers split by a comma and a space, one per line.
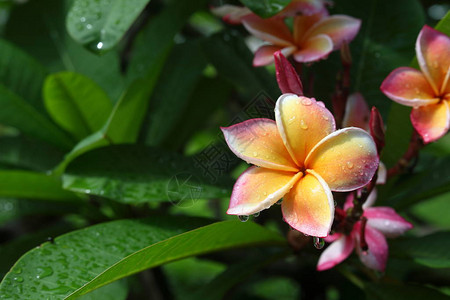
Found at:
[76, 103]
[84, 260]
[101, 24]
[434, 180]
[16, 112]
[26, 184]
[122, 126]
[137, 174]
[152, 46]
[171, 94]
[266, 8]
[431, 250]
[43, 35]
[25, 153]
[22, 74]
[385, 291]
[209, 95]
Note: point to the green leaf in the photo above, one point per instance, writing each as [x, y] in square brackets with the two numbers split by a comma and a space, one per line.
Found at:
[412, 188]
[18, 113]
[236, 273]
[26, 184]
[208, 96]
[229, 54]
[76, 103]
[117, 290]
[385, 291]
[25, 153]
[153, 45]
[430, 250]
[138, 174]
[123, 124]
[13, 250]
[101, 254]
[171, 95]
[22, 74]
[46, 38]
[266, 8]
[101, 24]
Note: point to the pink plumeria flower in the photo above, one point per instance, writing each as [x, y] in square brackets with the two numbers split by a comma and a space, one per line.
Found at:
[235, 14]
[427, 90]
[300, 156]
[312, 39]
[382, 222]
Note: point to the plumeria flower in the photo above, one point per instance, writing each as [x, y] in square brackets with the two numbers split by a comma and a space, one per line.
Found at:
[427, 90]
[381, 222]
[301, 157]
[312, 39]
[235, 14]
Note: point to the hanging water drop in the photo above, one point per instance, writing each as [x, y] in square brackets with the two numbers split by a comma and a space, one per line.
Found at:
[243, 218]
[319, 243]
[280, 201]
[256, 215]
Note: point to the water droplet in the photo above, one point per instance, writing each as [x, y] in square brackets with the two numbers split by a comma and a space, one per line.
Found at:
[18, 270]
[82, 19]
[99, 45]
[319, 243]
[89, 26]
[264, 193]
[417, 90]
[291, 120]
[243, 218]
[303, 125]
[306, 101]
[256, 215]
[280, 201]
[255, 153]
[350, 165]
[43, 272]
[18, 279]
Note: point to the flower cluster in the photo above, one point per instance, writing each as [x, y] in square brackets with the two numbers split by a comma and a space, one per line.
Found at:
[302, 157]
[314, 35]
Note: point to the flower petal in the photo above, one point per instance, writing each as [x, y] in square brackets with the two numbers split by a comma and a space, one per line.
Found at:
[305, 7]
[257, 141]
[339, 28]
[259, 188]
[314, 48]
[433, 55]
[387, 221]
[357, 113]
[265, 54]
[272, 30]
[431, 121]
[346, 159]
[287, 77]
[336, 253]
[376, 257]
[231, 13]
[302, 123]
[409, 87]
[302, 24]
[309, 206]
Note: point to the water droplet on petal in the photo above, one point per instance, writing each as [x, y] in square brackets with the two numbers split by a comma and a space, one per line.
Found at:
[255, 153]
[303, 125]
[291, 120]
[243, 218]
[350, 165]
[256, 215]
[319, 243]
[306, 101]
